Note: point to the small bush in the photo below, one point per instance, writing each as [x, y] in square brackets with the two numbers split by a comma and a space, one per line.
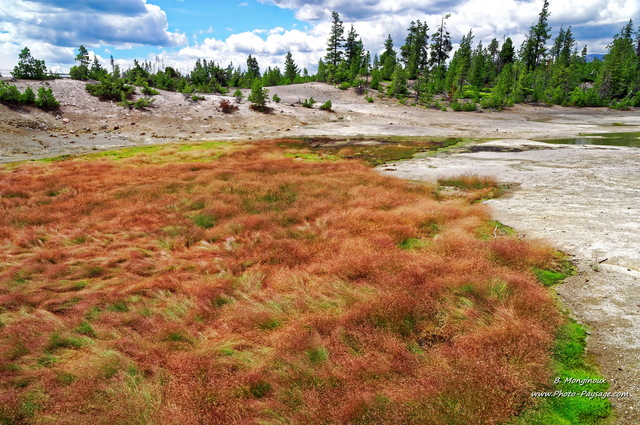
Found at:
[326, 106]
[238, 94]
[258, 96]
[469, 107]
[369, 99]
[111, 89]
[196, 97]
[308, 103]
[468, 181]
[146, 90]
[227, 107]
[46, 99]
[623, 105]
[9, 93]
[344, 85]
[455, 106]
[276, 98]
[141, 103]
[28, 97]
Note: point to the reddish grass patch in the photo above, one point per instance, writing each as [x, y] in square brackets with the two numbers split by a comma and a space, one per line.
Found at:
[257, 286]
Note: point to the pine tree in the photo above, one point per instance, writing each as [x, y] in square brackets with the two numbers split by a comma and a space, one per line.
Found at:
[620, 73]
[291, 70]
[29, 67]
[398, 86]
[253, 69]
[388, 59]
[334, 46]
[441, 46]
[414, 53]
[258, 96]
[533, 48]
[506, 55]
[354, 54]
[479, 68]
[81, 71]
[459, 68]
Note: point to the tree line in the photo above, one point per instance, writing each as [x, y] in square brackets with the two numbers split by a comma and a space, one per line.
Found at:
[497, 75]
[422, 71]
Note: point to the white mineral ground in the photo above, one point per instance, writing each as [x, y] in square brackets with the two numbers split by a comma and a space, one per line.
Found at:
[585, 200]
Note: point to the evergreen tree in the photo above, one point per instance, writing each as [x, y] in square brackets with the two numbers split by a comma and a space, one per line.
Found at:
[414, 53]
[83, 56]
[258, 96]
[81, 71]
[321, 74]
[479, 68]
[291, 70]
[492, 62]
[97, 72]
[398, 86]
[507, 54]
[459, 68]
[253, 70]
[29, 67]
[441, 46]
[388, 59]
[334, 46]
[533, 48]
[354, 55]
[620, 73]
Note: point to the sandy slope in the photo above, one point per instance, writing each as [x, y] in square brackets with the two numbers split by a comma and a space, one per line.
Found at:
[586, 200]
[29, 132]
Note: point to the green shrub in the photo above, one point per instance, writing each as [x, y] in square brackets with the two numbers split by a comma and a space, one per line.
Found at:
[369, 99]
[344, 85]
[29, 67]
[141, 103]
[455, 106]
[28, 97]
[258, 96]
[469, 107]
[276, 98]
[111, 89]
[326, 106]
[9, 93]
[46, 99]
[146, 90]
[623, 105]
[308, 103]
[238, 94]
[196, 97]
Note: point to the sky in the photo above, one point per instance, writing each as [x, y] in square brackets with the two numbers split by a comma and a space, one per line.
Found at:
[177, 32]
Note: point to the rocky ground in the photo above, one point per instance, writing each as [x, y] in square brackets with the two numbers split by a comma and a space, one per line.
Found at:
[584, 200]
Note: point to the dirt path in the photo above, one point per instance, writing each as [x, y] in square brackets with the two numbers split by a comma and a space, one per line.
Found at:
[585, 201]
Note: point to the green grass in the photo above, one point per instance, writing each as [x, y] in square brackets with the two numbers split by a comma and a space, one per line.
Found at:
[318, 355]
[376, 151]
[550, 277]
[413, 243]
[569, 361]
[206, 221]
[117, 154]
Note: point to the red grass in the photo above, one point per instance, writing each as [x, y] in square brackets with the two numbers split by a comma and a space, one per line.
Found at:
[217, 292]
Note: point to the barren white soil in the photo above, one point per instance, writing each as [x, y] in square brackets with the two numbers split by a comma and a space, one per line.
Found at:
[584, 200]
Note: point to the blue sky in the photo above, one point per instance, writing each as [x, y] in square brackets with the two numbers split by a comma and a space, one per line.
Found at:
[177, 32]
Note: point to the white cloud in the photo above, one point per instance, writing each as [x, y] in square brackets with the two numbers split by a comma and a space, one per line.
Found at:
[124, 24]
[53, 27]
[270, 51]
